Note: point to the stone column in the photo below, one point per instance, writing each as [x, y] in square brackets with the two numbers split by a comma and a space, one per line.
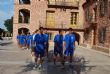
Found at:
[15, 20]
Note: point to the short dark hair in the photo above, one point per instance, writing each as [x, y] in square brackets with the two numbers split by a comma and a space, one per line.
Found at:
[60, 30]
[35, 31]
[70, 29]
[41, 28]
[29, 33]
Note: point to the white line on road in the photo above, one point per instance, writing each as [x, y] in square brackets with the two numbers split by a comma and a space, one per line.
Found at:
[95, 51]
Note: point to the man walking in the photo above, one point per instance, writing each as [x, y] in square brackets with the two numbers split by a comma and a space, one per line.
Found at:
[58, 46]
[18, 41]
[40, 47]
[69, 44]
[22, 40]
[28, 41]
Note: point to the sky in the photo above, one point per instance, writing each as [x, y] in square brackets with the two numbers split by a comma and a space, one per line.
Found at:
[6, 11]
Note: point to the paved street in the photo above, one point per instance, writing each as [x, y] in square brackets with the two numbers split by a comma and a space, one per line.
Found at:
[13, 60]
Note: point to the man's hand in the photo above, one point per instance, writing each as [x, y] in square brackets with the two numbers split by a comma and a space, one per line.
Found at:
[64, 44]
[57, 47]
[74, 47]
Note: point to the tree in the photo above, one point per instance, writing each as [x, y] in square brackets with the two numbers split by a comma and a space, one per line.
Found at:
[1, 30]
[9, 24]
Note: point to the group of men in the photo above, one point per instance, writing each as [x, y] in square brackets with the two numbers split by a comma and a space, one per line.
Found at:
[38, 42]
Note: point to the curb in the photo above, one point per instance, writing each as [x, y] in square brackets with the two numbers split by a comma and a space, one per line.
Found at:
[95, 51]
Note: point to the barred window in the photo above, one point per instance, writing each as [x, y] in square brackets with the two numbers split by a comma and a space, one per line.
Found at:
[74, 16]
[103, 7]
[88, 15]
[102, 35]
[50, 19]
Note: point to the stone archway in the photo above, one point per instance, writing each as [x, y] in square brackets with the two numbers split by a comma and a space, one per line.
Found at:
[23, 30]
[77, 36]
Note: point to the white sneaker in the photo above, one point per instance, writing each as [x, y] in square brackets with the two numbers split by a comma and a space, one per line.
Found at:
[40, 66]
[35, 66]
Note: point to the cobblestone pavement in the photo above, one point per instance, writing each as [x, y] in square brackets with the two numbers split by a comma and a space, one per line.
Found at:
[14, 60]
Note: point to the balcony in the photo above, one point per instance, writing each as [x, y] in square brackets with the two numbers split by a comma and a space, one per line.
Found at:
[60, 4]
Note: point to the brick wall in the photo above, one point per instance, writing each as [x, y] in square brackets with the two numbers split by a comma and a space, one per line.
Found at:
[38, 16]
[101, 22]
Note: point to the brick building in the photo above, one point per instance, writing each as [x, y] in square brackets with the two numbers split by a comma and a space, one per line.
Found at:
[97, 24]
[29, 15]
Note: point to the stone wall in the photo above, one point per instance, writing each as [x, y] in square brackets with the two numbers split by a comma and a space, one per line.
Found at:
[38, 16]
[103, 21]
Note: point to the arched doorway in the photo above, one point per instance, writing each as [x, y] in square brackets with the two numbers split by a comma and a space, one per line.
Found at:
[77, 36]
[23, 30]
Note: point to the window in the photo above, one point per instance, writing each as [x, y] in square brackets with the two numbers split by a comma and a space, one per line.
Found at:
[74, 17]
[88, 15]
[88, 0]
[94, 0]
[24, 16]
[94, 18]
[50, 36]
[102, 34]
[24, 1]
[50, 19]
[103, 7]
[87, 34]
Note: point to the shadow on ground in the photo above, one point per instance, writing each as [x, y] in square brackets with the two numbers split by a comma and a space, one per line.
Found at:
[5, 44]
[26, 68]
[2, 49]
[78, 66]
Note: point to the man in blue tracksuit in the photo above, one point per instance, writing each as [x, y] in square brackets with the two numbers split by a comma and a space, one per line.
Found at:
[28, 40]
[22, 40]
[69, 43]
[32, 46]
[32, 38]
[18, 41]
[40, 46]
[58, 46]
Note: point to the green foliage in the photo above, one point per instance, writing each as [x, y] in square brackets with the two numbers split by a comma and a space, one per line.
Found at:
[1, 30]
[9, 24]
